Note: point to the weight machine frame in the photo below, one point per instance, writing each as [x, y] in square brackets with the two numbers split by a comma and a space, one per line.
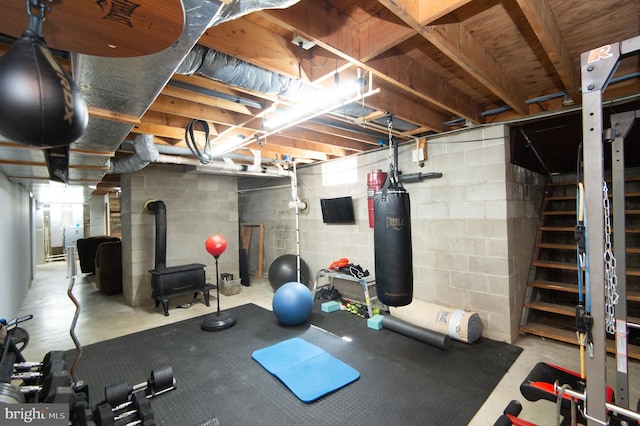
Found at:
[597, 66]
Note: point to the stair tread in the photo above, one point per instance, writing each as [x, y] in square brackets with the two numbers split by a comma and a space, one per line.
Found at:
[555, 285]
[632, 295]
[573, 197]
[570, 337]
[561, 246]
[552, 307]
[573, 212]
[574, 183]
[560, 228]
[572, 266]
[554, 264]
[557, 246]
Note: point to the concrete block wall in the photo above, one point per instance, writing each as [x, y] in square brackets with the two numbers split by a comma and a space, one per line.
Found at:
[16, 249]
[525, 190]
[198, 205]
[472, 230]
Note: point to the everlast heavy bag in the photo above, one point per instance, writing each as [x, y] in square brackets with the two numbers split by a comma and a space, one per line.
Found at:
[392, 240]
[39, 103]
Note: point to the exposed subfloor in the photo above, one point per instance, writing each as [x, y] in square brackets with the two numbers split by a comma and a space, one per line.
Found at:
[104, 317]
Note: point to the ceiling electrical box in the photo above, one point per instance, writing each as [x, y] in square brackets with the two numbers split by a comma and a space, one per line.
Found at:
[306, 44]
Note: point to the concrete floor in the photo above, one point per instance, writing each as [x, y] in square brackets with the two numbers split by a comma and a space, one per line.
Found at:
[104, 317]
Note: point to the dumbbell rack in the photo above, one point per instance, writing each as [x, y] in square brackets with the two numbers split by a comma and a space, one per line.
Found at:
[49, 381]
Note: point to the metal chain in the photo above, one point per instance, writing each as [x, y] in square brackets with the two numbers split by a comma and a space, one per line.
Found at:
[390, 128]
[392, 170]
[611, 279]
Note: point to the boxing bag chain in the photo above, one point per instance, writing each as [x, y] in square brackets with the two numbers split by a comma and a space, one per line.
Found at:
[392, 245]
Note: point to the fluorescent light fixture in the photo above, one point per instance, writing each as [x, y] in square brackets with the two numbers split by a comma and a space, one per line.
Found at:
[323, 104]
[321, 101]
[57, 192]
[228, 145]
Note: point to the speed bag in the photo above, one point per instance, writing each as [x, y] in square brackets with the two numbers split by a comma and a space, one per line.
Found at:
[392, 245]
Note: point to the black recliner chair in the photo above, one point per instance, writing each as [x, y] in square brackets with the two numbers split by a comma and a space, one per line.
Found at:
[87, 248]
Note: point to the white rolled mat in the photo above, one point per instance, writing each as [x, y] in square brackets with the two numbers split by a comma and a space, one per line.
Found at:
[458, 324]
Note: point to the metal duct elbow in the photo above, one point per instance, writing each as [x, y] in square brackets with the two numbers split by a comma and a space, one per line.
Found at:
[145, 153]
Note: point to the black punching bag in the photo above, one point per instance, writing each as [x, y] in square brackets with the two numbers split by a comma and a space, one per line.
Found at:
[39, 103]
[392, 245]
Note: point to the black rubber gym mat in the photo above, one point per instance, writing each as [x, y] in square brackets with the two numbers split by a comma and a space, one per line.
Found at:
[402, 381]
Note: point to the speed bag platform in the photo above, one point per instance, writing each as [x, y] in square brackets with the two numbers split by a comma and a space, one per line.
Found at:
[392, 245]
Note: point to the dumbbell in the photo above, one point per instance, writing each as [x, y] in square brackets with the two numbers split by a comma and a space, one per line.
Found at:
[140, 414]
[56, 387]
[53, 360]
[160, 381]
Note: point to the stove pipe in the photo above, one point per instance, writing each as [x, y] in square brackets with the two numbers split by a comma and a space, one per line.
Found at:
[160, 210]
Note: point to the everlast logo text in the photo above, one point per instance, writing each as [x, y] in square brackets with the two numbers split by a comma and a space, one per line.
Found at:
[396, 222]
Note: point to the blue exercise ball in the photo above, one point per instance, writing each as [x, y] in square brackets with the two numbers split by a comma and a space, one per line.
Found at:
[292, 303]
[284, 269]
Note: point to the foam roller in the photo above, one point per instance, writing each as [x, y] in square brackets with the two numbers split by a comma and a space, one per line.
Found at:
[433, 338]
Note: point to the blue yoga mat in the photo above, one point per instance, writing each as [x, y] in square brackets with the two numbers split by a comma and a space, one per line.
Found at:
[307, 370]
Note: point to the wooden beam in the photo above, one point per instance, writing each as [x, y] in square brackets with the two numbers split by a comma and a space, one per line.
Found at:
[381, 33]
[408, 109]
[112, 116]
[460, 46]
[8, 144]
[193, 96]
[87, 167]
[339, 143]
[254, 44]
[335, 33]
[90, 152]
[339, 132]
[171, 105]
[287, 141]
[22, 163]
[163, 131]
[424, 12]
[273, 150]
[544, 24]
[429, 87]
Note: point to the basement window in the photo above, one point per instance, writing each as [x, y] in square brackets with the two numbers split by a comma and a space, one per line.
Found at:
[340, 172]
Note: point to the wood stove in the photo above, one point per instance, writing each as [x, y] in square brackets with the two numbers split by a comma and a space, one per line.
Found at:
[168, 282]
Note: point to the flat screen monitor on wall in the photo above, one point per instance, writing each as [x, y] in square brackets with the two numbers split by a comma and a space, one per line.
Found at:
[337, 210]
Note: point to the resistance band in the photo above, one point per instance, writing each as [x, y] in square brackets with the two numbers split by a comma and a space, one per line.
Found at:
[584, 321]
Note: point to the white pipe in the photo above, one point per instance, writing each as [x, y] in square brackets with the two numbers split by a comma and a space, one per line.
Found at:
[221, 167]
[294, 194]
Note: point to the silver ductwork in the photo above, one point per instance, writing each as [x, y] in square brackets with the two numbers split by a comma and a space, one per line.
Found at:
[145, 153]
[128, 86]
[238, 8]
[230, 70]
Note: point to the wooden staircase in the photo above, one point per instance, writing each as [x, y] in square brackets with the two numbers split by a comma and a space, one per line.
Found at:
[552, 291]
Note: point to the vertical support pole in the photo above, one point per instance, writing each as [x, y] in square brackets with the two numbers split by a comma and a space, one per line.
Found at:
[596, 69]
[620, 249]
[621, 124]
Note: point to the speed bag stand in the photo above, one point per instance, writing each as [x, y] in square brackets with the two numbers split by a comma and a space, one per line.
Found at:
[392, 245]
